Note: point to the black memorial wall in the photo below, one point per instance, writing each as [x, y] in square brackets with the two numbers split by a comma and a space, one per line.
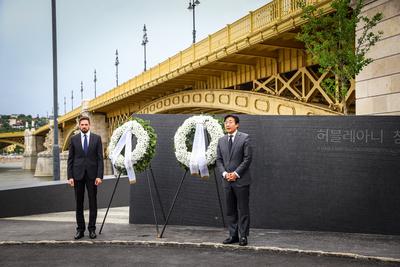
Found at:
[317, 173]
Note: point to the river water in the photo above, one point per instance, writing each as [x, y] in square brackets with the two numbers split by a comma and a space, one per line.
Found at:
[12, 175]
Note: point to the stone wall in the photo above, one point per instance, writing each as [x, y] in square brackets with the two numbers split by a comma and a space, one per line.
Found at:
[378, 85]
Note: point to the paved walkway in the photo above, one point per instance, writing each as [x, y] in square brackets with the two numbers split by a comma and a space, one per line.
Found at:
[59, 228]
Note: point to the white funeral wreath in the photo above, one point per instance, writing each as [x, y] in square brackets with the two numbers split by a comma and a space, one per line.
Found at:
[213, 128]
[142, 153]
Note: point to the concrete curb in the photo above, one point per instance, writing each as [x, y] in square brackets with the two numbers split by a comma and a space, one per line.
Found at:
[207, 245]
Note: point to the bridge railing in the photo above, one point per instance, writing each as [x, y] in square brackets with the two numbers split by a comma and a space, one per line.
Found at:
[12, 134]
[255, 21]
[70, 115]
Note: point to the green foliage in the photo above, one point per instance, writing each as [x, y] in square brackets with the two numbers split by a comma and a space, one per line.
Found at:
[144, 163]
[39, 122]
[331, 40]
[6, 127]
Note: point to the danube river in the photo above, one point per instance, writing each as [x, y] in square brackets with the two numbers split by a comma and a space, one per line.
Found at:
[11, 174]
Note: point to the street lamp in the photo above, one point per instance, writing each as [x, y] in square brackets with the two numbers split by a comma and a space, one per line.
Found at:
[72, 99]
[116, 65]
[81, 91]
[65, 105]
[95, 80]
[144, 42]
[192, 6]
[56, 147]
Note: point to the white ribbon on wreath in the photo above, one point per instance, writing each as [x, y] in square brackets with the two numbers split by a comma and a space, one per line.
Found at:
[198, 161]
[122, 138]
[194, 159]
[125, 141]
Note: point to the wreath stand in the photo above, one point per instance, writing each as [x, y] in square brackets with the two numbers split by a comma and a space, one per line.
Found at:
[179, 189]
[151, 198]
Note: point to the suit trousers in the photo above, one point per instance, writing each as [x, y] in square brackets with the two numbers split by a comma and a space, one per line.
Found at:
[237, 207]
[80, 196]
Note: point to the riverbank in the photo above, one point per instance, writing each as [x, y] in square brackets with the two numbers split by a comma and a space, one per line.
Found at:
[6, 159]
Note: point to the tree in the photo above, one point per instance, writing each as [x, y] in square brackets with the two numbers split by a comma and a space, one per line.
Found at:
[40, 122]
[331, 41]
[5, 124]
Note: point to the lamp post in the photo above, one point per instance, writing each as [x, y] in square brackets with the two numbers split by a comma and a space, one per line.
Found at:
[81, 91]
[116, 65]
[95, 80]
[144, 42]
[65, 105]
[192, 7]
[72, 99]
[56, 148]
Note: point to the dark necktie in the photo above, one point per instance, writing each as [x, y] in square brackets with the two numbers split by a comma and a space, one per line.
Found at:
[230, 143]
[85, 144]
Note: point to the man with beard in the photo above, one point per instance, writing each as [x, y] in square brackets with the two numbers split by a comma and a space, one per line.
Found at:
[85, 169]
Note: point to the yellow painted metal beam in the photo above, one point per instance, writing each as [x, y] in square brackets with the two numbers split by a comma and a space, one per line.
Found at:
[224, 51]
[259, 54]
[233, 100]
[5, 141]
[258, 26]
[12, 134]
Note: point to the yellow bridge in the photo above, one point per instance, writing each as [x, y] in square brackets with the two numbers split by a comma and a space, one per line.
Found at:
[16, 138]
[253, 66]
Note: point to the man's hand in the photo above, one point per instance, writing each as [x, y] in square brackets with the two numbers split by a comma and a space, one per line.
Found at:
[231, 177]
[98, 181]
[71, 182]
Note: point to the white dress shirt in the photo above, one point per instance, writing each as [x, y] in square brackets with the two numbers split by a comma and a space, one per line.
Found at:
[233, 136]
[233, 140]
[83, 139]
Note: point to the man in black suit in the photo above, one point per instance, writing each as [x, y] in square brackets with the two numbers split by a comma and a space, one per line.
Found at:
[233, 161]
[85, 168]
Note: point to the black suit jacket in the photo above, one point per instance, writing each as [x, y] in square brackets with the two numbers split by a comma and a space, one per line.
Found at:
[78, 162]
[238, 160]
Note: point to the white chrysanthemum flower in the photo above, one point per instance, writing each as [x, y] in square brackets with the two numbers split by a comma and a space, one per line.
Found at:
[213, 128]
[142, 145]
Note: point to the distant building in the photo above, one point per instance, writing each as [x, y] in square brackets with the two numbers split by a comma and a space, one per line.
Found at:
[18, 125]
[12, 121]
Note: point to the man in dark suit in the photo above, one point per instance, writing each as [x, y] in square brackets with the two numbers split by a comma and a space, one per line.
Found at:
[85, 168]
[233, 162]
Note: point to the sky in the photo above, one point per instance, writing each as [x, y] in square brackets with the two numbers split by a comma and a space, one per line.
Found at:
[88, 33]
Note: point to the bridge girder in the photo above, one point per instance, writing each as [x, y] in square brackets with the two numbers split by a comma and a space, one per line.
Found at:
[225, 100]
[257, 52]
[5, 142]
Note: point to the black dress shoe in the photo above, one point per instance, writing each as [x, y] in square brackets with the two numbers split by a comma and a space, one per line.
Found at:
[78, 235]
[243, 241]
[92, 234]
[231, 240]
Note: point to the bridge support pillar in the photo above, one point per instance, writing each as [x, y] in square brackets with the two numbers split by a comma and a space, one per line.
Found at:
[99, 126]
[44, 163]
[33, 145]
[63, 165]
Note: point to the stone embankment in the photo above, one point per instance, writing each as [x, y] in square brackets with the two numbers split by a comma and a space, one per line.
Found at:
[6, 159]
